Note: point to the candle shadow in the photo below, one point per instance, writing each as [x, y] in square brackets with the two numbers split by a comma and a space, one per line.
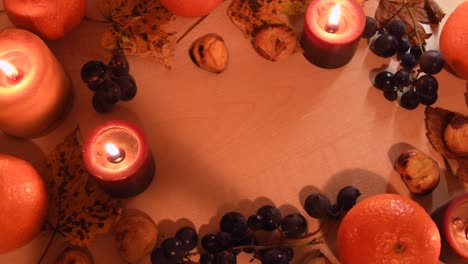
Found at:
[368, 183]
[24, 149]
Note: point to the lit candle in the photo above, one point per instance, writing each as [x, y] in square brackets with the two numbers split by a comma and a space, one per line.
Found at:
[452, 221]
[35, 91]
[332, 30]
[117, 154]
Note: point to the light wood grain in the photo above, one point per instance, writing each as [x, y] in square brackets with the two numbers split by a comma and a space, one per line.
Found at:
[260, 132]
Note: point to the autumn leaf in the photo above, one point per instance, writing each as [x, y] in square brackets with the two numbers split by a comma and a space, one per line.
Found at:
[436, 120]
[412, 12]
[137, 27]
[79, 210]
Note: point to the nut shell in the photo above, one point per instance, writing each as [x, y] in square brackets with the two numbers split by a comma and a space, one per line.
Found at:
[418, 171]
[456, 135]
[275, 42]
[210, 53]
[136, 235]
[75, 255]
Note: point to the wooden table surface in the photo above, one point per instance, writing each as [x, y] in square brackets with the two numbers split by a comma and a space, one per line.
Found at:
[261, 132]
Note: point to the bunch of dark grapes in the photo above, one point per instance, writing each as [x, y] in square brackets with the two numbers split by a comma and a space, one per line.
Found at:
[110, 82]
[413, 83]
[238, 233]
[317, 205]
[176, 249]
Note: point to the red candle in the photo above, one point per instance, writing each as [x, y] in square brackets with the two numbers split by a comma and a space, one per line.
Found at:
[452, 221]
[332, 30]
[35, 91]
[117, 154]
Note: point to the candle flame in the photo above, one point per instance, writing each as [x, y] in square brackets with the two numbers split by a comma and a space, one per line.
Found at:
[115, 155]
[9, 70]
[334, 18]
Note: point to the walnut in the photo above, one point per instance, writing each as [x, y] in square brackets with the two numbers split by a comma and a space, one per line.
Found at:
[456, 135]
[75, 255]
[136, 235]
[275, 42]
[210, 53]
[419, 171]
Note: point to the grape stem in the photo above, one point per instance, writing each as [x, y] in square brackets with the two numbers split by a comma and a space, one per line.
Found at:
[410, 12]
[48, 246]
[314, 241]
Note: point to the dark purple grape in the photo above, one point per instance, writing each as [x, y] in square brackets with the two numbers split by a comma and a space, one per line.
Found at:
[234, 224]
[396, 28]
[402, 78]
[409, 100]
[274, 256]
[111, 90]
[403, 45]
[127, 86]
[216, 243]
[100, 103]
[371, 27]
[223, 241]
[208, 242]
[317, 205]
[416, 51]
[246, 241]
[118, 65]
[188, 237]
[271, 217]
[225, 257]
[385, 45]
[254, 222]
[173, 249]
[94, 73]
[347, 197]
[431, 62]
[426, 86]
[408, 61]
[207, 258]
[390, 95]
[384, 81]
[289, 252]
[294, 225]
[158, 257]
[428, 101]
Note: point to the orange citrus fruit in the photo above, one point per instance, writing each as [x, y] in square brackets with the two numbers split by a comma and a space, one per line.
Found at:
[191, 8]
[50, 19]
[23, 202]
[453, 41]
[388, 228]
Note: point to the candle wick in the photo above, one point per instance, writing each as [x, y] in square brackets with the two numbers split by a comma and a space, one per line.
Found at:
[332, 28]
[117, 158]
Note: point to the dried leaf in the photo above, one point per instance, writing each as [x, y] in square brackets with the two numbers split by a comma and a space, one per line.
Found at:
[437, 120]
[79, 209]
[137, 27]
[422, 11]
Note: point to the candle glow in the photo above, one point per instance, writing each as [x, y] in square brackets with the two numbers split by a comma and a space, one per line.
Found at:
[335, 15]
[114, 154]
[9, 70]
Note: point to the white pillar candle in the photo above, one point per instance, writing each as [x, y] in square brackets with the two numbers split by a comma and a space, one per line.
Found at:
[36, 92]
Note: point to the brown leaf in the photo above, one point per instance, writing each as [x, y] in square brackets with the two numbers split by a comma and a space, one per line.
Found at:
[79, 209]
[422, 11]
[138, 29]
[437, 120]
